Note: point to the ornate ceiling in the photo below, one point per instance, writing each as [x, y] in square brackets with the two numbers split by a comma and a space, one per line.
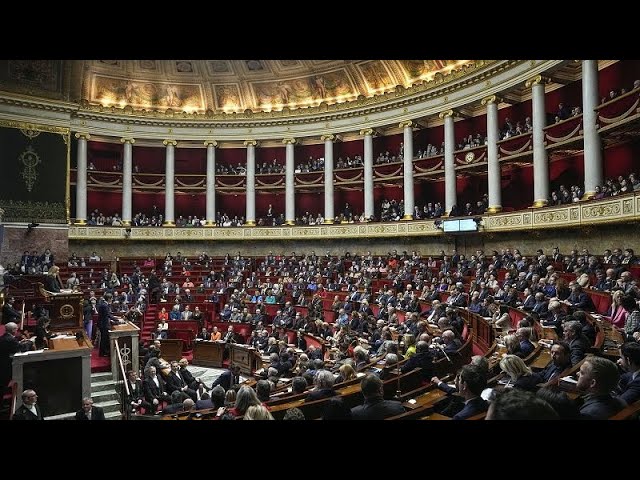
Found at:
[198, 86]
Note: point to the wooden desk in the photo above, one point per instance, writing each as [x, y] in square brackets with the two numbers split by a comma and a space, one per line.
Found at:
[247, 358]
[125, 339]
[208, 354]
[171, 349]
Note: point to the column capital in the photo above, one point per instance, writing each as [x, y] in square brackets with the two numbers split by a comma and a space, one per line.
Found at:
[250, 143]
[128, 140]
[166, 143]
[213, 143]
[288, 141]
[491, 99]
[406, 123]
[538, 79]
[84, 136]
[328, 136]
[446, 113]
[366, 131]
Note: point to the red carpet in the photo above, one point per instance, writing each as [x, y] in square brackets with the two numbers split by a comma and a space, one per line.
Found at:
[98, 363]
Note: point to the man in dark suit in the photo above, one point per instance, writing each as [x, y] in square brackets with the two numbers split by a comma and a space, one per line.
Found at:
[136, 394]
[89, 411]
[9, 345]
[560, 361]
[629, 385]
[598, 377]
[374, 406]
[175, 381]
[10, 314]
[105, 320]
[29, 410]
[228, 378]
[154, 389]
[470, 382]
[422, 359]
[578, 343]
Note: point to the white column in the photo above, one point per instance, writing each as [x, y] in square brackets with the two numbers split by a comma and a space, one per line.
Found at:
[127, 180]
[450, 197]
[493, 165]
[289, 181]
[540, 161]
[368, 173]
[408, 169]
[328, 177]
[81, 179]
[169, 183]
[593, 172]
[210, 216]
[250, 219]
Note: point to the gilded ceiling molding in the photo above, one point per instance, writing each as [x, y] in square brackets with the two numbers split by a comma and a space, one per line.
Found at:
[166, 143]
[446, 113]
[251, 143]
[329, 136]
[210, 142]
[84, 136]
[366, 131]
[538, 79]
[288, 141]
[128, 140]
[406, 123]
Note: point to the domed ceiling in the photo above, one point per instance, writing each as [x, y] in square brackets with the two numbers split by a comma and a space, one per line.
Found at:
[219, 85]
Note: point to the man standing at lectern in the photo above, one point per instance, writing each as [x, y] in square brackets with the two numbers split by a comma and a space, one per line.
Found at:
[105, 320]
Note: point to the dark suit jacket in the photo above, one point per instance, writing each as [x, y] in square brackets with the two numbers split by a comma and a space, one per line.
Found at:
[151, 391]
[174, 382]
[23, 413]
[377, 409]
[10, 314]
[226, 380]
[8, 346]
[600, 407]
[629, 388]
[138, 394]
[472, 407]
[188, 378]
[318, 394]
[424, 361]
[97, 413]
[579, 347]
[51, 284]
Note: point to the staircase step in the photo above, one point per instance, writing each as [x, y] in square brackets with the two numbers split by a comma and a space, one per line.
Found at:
[115, 415]
[109, 406]
[105, 395]
[101, 376]
[102, 386]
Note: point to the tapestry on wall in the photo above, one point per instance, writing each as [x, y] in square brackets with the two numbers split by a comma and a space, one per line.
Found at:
[33, 184]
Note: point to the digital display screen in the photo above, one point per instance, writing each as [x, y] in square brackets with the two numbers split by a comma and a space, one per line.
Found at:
[463, 225]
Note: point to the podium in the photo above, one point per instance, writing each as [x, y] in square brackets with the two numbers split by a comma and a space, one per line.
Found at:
[65, 309]
[247, 358]
[60, 375]
[124, 340]
[207, 353]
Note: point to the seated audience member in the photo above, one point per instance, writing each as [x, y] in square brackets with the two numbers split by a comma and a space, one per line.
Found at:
[423, 359]
[258, 412]
[629, 386]
[560, 402]
[293, 414]
[560, 361]
[374, 406]
[245, 398]
[596, 379]
[520, 375]
[470, 382]
[578, 343]
[324, 386]
[228, 378]
[89, 411]
[518, 404]
[136, 393]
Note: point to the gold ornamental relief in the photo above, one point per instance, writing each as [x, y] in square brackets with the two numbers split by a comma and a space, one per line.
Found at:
[67, 311]
[30, 159]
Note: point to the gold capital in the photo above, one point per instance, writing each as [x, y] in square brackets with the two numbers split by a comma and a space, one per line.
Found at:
[446, 113]
[406, 123]
[329, 136]
[251, 143]
[538, 79]
[210, 142]
[84, 136]
[288, 141]
[367, 131]
[128, 140]
[490, 99]
[166, 143]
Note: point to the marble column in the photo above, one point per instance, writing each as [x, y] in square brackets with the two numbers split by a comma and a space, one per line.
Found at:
[127, 180]
[493, 164]
[250, 217]
[540, 160]
[210, 216]
[289, 180]
[81, 179]
[593, 170]
[328, 177]
[450, 196]
[169, 183]
[369, 208]
[407, 127]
